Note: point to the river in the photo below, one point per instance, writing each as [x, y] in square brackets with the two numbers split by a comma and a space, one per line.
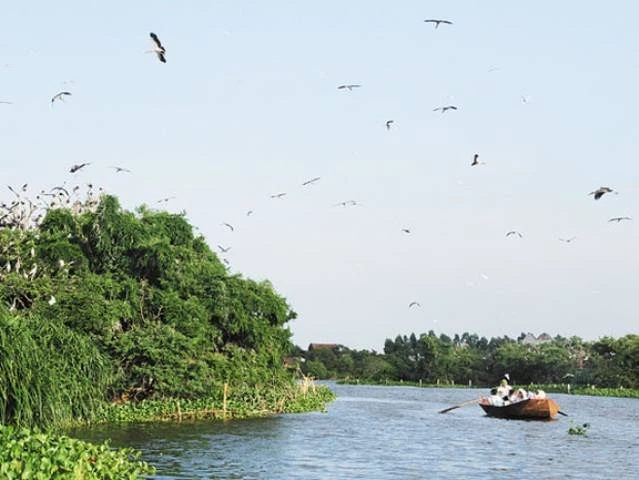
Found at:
[375, 432]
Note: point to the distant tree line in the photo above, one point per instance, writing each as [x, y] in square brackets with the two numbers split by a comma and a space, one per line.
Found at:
[468, 358]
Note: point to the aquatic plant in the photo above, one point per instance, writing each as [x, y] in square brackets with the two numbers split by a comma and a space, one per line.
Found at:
[41, 456]
[578, 429]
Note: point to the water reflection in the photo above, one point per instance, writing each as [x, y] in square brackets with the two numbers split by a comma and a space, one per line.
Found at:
[393, 432]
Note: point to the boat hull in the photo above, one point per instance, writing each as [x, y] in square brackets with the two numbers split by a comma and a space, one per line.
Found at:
[529, 409]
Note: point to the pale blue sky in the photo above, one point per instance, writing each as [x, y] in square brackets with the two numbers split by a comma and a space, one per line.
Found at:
[247, 106]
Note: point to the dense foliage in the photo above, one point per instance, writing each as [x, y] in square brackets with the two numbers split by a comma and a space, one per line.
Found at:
[108, 304]
[469, 359]
[41, 456]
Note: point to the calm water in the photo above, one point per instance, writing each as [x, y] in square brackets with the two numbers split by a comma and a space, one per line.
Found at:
[395, 433]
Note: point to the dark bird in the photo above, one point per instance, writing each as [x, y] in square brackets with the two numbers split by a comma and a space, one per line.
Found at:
[158, 48]
[76, 167]
[567, 240]
[514, 232]
[619, 219]
[445, 108]
[120, 169]
[475, 160]
[229, 226]
[406, 230]
[249, 213]
[414, 304]
[59, 96]
[389, 123]
[600, 192]
[278, 195]
[24, 187]
[222, 249]
[311, 181]
[349, 86]
[438, 22]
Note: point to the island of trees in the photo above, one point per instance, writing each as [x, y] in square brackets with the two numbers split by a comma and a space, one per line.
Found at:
[112, 315]
[468, 359]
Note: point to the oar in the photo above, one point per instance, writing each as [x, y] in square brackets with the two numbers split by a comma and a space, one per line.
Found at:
[469, 402]
[562, 413]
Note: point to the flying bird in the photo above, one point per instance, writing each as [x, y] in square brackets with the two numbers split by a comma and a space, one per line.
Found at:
[249, 213]
[229, 226]
[311, 181]
[438, 22]
[406, 230]
[600, 192]
[59, 96]
[476, 160]
[514, 232]
[222, 249]
[445, 108]
[165, 199]
[619, 219]
[158, 48]
[77, 167]
[120, 169]
[278, 195]
[567, 240]
[414, 304]
[389, 123]
[349, 86]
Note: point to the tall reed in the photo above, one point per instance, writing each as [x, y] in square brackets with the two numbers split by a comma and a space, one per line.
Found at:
[49, 374]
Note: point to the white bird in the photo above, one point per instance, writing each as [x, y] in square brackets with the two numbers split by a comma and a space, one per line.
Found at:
[52, 300]
[158, 48]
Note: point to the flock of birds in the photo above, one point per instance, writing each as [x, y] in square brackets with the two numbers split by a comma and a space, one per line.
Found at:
[23, 212]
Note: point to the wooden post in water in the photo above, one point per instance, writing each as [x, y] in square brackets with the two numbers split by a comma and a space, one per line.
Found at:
[179, 411]
[226, 389]
[420, 382]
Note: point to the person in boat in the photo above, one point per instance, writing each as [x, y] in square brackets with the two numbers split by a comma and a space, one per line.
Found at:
[495, 399]
[504, 390]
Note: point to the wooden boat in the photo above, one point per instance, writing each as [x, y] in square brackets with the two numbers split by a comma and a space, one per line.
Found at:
[528, 409]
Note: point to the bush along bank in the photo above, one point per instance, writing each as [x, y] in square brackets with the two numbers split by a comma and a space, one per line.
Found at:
[32, 454]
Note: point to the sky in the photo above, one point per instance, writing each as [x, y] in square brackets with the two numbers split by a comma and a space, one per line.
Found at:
[247, 106]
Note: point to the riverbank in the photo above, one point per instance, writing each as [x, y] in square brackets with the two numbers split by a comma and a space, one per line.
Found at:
[589, 390]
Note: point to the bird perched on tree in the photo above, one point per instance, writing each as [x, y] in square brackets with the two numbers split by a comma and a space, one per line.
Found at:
[438, 22]
[600, 192]
[158, 48]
